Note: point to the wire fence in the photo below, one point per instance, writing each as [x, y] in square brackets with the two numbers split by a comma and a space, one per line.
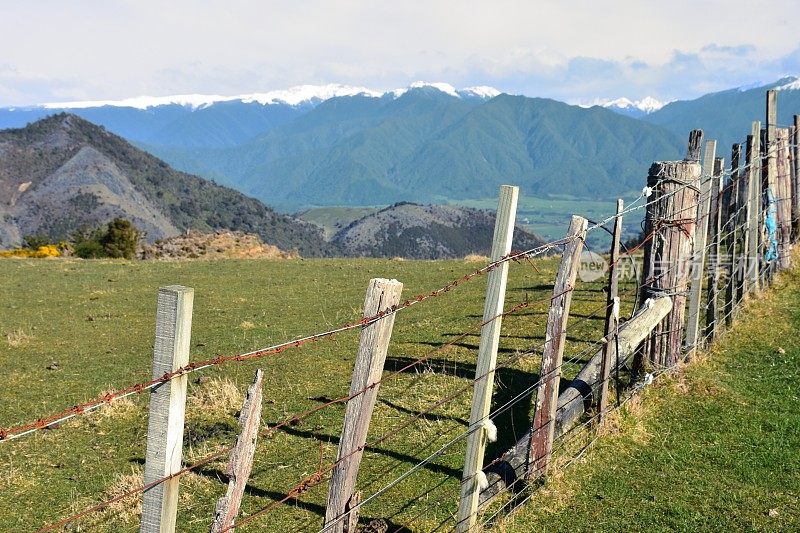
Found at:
[420, 490]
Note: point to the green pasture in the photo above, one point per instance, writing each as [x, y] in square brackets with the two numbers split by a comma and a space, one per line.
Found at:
[73, 329]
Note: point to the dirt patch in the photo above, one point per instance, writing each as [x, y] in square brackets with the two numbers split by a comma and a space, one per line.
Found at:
[217, 245]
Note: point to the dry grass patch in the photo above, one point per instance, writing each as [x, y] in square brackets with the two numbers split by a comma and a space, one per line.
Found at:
[118, 407]
[123, 512]
[14, 478]
[126, 509]
[18, 338]
[217, 397]
[476, 258]
[191, 484]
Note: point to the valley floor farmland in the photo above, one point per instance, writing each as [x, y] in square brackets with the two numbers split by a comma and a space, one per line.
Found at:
[73, 329]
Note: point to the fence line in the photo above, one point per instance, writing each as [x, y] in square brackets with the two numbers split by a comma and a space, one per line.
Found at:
[772, 246]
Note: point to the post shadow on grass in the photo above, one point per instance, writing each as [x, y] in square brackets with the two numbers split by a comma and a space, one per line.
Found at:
[424, 416]
[334, 439]
[465, 345]
[276, 496]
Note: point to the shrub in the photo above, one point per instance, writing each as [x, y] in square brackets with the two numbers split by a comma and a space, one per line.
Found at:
[89, 249]
[49, 250]
[35, 241]
[120, 239]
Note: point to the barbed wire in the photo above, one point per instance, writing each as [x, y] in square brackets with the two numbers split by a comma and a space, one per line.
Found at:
[730, 225]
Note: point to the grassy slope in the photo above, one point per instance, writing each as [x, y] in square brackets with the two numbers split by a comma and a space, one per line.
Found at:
[714, 450]
[96, 318]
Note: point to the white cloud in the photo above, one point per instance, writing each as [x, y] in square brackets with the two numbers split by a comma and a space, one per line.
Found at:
[90, 49]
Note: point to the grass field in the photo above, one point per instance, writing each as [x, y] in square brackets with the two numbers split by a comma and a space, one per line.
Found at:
[95, 320]
[715, 449]
[333, 219]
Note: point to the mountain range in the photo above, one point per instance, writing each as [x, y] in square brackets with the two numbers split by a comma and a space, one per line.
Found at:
[62, 174]
[338, 145]
[727, 115]
[426, 143]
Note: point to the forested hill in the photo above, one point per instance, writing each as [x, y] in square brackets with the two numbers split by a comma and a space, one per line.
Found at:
[63, 173]
[427, 144]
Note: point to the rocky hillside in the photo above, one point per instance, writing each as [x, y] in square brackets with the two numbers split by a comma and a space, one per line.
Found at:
[63, 173]
[425, 232]
[216, 245]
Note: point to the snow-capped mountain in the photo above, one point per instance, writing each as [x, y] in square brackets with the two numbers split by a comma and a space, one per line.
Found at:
[625, 106]
[647, 105]
[294, 96]
[791, 83]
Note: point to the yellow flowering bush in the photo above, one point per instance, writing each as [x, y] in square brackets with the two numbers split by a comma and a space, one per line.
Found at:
[48, 250]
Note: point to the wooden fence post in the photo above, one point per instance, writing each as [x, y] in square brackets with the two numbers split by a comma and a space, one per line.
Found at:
[732, 234]
[670, 222]
[167, 408]
[382, 295]
[574, 399]
[712, 309]
[612, 315]
[699, 248]
[240, 460]
[487, 358]
[770, 167]
[754, 220]
[796, 179]
[747, 198]
[556, 333]
[783, 197]
[742, 216]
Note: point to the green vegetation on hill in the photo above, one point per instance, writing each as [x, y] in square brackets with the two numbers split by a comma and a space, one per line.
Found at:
[425, 145]
[727, 115]
[62, 172]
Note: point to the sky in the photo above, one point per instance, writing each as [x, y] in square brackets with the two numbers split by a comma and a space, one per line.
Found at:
[576, 51]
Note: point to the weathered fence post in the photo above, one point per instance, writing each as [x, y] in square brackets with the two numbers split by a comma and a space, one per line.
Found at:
[742, 215]
[712, 309]
[612, 314]
[382, 296]
[770, 167]
[487, 358]
[670, 222]
[240, 460]
[699, 248]
[796, 179]
[167, 408]
[754, 219]
[732, 234]
[544, 416]
[783, 197]
[576, 396]
[747, 198]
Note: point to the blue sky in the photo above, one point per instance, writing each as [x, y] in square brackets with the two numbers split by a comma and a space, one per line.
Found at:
[574, 51]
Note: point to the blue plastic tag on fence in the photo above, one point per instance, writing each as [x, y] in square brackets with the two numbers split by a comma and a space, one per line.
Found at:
[772, 238]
